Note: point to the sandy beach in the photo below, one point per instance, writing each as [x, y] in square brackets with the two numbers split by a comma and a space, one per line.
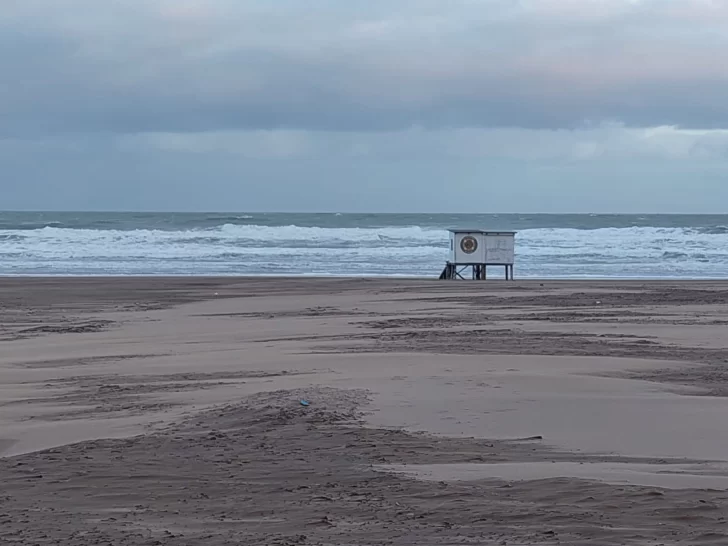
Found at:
[202, 411]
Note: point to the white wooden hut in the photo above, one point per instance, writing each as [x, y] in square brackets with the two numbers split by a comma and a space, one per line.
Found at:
[476, 249]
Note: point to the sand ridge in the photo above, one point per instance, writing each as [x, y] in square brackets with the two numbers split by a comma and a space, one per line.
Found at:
[269, 470]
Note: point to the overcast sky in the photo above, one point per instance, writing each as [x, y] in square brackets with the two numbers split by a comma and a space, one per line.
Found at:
[364, 105]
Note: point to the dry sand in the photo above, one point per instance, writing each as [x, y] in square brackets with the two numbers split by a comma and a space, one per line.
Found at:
[168, 412]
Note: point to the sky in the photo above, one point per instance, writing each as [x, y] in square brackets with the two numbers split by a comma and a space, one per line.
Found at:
[364, 105]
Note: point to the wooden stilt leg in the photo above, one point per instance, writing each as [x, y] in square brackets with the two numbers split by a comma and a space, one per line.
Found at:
[478, 272]
[449, 273]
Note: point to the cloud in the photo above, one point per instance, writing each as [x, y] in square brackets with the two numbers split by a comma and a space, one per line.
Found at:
[193, 66]
[613, 141]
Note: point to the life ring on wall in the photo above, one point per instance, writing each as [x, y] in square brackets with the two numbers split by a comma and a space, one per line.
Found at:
[468, 244]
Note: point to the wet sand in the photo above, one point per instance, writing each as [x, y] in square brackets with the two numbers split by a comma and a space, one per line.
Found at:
[168, 411]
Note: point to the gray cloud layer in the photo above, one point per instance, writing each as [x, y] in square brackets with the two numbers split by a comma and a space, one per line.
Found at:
[194, 65]
[364, 105]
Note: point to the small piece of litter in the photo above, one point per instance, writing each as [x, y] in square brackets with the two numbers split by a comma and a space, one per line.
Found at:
[305, 402]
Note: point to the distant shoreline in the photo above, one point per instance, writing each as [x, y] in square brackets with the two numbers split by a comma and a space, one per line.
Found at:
[495, 278]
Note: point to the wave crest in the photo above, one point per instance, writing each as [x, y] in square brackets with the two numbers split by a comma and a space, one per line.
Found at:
[231, 248]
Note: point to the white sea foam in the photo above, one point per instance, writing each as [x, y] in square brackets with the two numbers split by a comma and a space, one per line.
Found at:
[254, 249]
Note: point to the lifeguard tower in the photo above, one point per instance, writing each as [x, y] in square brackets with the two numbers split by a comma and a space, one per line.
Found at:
[475, 249]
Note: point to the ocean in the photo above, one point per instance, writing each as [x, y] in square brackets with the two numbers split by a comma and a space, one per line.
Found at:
[547, 246]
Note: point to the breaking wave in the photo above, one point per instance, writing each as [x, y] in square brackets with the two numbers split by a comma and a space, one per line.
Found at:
[230, 248]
